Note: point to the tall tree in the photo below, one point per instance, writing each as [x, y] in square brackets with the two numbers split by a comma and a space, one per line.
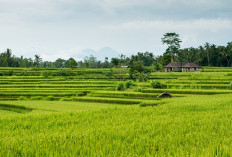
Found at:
[37, 60]
[91, 62]
[8, 57]
[72, 63]
[59, 63]
[147, 58]
[173, 41]
[207, 50]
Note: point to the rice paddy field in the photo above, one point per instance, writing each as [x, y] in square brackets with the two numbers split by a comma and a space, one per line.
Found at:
[84, 115]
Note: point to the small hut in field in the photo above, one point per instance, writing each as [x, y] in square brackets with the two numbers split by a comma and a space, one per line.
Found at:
[172, 66]
[191, 67]
[165, 95]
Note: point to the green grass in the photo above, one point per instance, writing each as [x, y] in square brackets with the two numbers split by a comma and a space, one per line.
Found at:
[15, 108]
[82, 115]
[187, 91]
[190, 126]
[128, 95]
[41, 107]
[107, 100]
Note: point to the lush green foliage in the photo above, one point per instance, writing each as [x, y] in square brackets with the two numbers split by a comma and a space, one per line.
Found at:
[129, 83]
[204, 55]
[139, 72]
[120, 86]
[158, 84]
[230, 85]
[173, 41]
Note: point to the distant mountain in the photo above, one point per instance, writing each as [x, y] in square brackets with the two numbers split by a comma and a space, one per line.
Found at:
[100, 54]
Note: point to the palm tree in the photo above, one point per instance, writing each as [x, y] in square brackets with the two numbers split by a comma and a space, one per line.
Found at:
[37, 60]
[207, 47]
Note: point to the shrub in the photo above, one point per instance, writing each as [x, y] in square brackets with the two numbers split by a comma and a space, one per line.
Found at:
[22, 98]
[141, 77]
[158, 67]
[46, 74]
[25, 74]
[84, 93]
[1, 74]
[109, 74]
[158, 84]
[230, 86]
[139, 71]
[120, 86]
[65, 72]
[21, 74]
[10, 73]
[37, 98]
[176, 70]
[129, 83]
[50, 98]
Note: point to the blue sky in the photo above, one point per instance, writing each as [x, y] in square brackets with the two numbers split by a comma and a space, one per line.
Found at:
[77, 28]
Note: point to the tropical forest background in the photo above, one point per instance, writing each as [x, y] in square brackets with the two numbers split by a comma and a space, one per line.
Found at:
[204, 55]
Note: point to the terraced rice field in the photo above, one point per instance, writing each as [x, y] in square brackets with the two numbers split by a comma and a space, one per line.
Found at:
[83, 114]
[81, 85]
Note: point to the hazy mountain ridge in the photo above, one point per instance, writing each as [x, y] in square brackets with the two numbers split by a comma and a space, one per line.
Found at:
[99, 54]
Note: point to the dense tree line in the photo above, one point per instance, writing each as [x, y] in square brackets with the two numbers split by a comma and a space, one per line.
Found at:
[206, 55]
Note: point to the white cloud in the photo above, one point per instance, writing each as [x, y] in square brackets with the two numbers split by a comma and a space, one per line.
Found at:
[164, 4]
[212, 25]
[63, 28]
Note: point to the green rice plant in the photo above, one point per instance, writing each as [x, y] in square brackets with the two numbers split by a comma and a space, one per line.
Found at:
[125, 130]
[145, 104]
[15, 108]
[124, 95]
[88, 125]
[199, 86]
[66, 99]
[192, 85]
[187, 91]
[107, 100]
[36, 98]
[181, 86]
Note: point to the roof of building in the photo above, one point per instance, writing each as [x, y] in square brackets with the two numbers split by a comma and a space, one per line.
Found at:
[165, 95]
[172, 65]
[190, 65]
